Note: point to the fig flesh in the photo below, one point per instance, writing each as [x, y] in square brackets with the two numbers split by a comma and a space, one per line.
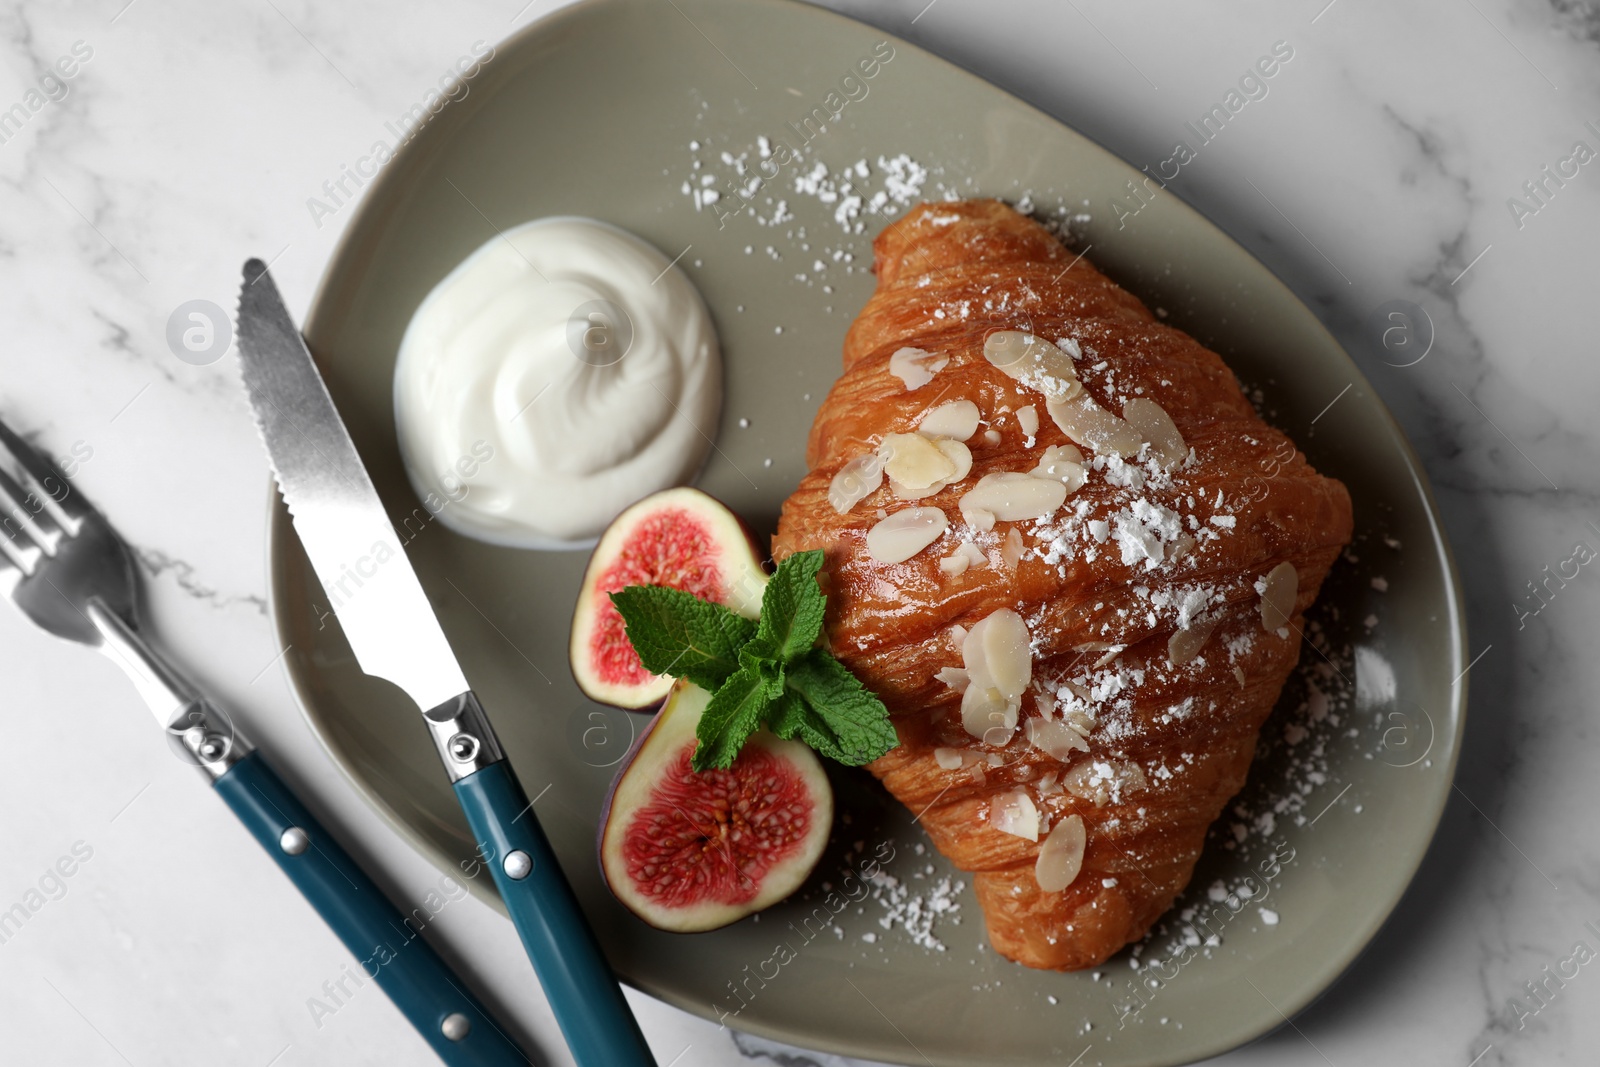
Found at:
[688, 852]
[680, 538]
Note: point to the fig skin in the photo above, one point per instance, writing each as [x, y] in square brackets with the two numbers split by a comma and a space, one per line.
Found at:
[655, 752]
[737, 554]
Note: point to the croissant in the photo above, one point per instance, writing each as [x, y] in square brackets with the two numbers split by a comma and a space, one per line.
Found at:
[1077, 678]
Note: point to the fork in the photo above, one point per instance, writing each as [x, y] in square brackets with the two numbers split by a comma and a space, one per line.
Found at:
[65, 567]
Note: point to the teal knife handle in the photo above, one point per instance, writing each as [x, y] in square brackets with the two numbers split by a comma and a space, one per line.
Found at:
[392, 954]
[595, 1019]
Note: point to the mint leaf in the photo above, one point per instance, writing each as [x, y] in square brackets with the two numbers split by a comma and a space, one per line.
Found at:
[791, 718]
[679, 634]
[792, 607]
[733, 714]
[828, 708]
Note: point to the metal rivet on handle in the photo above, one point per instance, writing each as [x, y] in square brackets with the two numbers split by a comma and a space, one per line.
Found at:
[294, 841]
[455, 1026]
[463, 748]
[518, 865]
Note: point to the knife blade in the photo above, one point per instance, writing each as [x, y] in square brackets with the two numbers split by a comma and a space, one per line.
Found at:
[337, 514]
[379, 603]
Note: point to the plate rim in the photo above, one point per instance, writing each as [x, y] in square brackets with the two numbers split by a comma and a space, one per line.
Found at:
[282, 565]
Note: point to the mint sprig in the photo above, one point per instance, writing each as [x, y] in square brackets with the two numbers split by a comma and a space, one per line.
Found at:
[771, 671]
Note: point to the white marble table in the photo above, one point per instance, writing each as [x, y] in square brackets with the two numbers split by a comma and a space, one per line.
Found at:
[1379, 168]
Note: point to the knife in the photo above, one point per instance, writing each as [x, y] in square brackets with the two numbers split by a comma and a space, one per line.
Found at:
[395, 635]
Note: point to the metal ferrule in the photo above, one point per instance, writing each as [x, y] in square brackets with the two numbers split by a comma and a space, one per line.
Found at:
[463, 736]
[204, 736]
[198, 731]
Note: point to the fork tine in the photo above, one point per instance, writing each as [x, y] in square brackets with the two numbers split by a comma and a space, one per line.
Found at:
[17, 547]
[10, 574]
[12, 495]
[38, 467]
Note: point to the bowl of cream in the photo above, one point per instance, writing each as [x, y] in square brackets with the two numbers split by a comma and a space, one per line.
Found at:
[559, 373]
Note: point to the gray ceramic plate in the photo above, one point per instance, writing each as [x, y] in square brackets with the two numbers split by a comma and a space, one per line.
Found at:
[593, 112]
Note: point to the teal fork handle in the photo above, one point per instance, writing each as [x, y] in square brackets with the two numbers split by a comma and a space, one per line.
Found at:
[391, 953]
[583, 993]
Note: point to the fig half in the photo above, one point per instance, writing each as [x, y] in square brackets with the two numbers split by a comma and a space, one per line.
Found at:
[688, 852]
[680, 538]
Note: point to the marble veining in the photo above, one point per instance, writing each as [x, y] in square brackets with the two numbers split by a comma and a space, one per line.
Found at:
[194, 134]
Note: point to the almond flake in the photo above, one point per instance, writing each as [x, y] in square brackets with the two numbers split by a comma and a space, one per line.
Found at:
[1055, 738]
[1015, 813]
[957, 420]
[905, 533]
[855, 481]
[1013, 497]
[916, 466]
[987, 715]
[1109, 656]
[1028, 420]
[1093, 427]
[956, 453]
[1185, 645]
[1011, 548]
[1033, 362]
[1279, 591]
[967, 555]
[1154, 424]
[1061, 855]
[916, 367]
[997, 653]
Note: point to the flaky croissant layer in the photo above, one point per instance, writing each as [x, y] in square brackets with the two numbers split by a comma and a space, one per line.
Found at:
[1157, 601]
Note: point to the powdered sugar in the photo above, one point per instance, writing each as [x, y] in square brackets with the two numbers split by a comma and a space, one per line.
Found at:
[1143, 530]
[859, 195]
[917, 913]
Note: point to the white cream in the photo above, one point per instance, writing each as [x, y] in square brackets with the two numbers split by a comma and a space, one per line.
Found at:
[523, 354]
